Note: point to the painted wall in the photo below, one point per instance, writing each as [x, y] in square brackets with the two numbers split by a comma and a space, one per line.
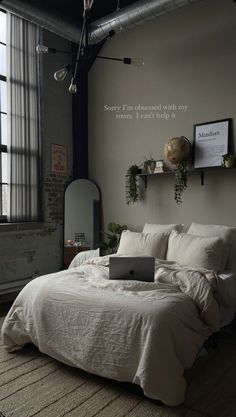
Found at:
[190, 60]
[29, 253]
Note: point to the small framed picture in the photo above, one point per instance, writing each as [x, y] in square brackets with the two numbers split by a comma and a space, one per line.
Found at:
[211, 141]
[59, 159]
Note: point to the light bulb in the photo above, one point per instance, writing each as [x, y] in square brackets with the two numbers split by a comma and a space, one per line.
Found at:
[138, 62]
[42, 49]
[73, 87]
[61, 74]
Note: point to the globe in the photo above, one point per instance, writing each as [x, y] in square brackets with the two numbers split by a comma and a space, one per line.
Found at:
[177, 150]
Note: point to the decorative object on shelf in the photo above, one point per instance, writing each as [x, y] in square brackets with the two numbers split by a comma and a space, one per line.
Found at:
[211, 141]
[149, 165]
[228, 161]
[161, 167]
[113, 238]
[177, 151]
[132, 189]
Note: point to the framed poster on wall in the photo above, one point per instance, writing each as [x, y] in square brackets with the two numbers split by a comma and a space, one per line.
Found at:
[59, 159]
[211, 141]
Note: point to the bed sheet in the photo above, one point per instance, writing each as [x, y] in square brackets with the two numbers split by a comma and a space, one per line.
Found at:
[146, 333]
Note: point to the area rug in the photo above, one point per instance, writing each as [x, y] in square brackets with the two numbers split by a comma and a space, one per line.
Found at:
[35, 385]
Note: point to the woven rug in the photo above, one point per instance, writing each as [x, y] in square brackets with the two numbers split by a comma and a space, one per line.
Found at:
[35, 385]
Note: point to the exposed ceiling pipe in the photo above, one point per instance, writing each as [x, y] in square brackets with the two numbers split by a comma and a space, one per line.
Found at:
[126, 18]
[135, 14]
[36, 14]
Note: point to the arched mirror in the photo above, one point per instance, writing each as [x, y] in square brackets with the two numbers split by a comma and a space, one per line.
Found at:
[81, 218]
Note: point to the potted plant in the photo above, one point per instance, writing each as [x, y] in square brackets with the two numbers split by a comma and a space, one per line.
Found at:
[149, 165]
[132, 189]
[113, 237]
[228, 160]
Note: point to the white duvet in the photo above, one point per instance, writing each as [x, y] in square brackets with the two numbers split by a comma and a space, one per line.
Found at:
[146, 333]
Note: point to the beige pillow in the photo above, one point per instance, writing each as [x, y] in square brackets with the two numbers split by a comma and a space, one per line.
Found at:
[139, 244]
[161, 228]
[196, 251]
[227, 233]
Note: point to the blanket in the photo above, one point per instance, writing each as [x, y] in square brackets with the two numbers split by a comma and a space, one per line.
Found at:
[146, 333]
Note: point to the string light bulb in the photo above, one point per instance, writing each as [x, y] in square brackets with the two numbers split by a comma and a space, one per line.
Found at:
[42, 49]
[137, 62]
[61, 74]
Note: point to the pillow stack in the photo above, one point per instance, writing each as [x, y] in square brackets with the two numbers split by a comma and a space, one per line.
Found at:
[210, 247]
[196, 251]
[227, 233]
[143, 244]
[151, 242]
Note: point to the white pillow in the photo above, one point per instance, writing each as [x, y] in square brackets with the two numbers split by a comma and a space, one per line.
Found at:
[161, 228]
[227, 233]
[81, 257]
[196, 251]
[139, 244]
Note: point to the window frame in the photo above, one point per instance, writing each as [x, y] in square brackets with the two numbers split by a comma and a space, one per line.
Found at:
[3, 148]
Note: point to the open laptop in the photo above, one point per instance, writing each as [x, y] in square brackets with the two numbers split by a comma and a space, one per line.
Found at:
[139, 268]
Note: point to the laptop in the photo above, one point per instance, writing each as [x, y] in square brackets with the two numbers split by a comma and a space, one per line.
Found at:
[139, 268]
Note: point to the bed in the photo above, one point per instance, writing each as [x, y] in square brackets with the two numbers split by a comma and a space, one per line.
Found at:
[145, 333]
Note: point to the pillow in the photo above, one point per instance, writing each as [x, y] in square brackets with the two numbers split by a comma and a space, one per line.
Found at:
[196, 251]
[160, 228]
[227, 233]
[81, 257]
[139, 244]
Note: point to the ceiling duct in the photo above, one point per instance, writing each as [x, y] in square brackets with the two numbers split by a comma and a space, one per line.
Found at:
[126, 18]
[135, 14]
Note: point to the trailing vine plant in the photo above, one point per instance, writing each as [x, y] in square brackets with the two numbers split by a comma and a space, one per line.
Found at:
[132, 188]
[180, 181]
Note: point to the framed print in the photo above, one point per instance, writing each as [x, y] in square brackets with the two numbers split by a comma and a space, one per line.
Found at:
[211, 141]
[59, 159]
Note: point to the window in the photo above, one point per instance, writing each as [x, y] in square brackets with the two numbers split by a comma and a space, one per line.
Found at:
[3, 119]
[19, 121]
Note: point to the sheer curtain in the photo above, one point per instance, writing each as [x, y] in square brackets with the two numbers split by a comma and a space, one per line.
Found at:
[23, 120]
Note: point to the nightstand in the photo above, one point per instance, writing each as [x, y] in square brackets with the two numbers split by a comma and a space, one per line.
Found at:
[70, 252]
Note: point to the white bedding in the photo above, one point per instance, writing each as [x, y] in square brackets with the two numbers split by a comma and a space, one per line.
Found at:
[146, 333]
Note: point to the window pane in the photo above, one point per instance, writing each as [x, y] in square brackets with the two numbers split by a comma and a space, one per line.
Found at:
[4, 167]
[3, 96]
[3, 27]
[2, 60]
[4, 200]
[3, 139]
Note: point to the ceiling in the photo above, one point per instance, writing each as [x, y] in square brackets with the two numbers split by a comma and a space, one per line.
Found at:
[73, 11]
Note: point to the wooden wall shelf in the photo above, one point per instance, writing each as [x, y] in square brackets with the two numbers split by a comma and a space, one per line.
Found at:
[200, 171]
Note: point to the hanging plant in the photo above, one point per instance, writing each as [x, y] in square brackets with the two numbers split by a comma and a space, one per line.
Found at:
[177, 151]
[132, 188]
[180, 181]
